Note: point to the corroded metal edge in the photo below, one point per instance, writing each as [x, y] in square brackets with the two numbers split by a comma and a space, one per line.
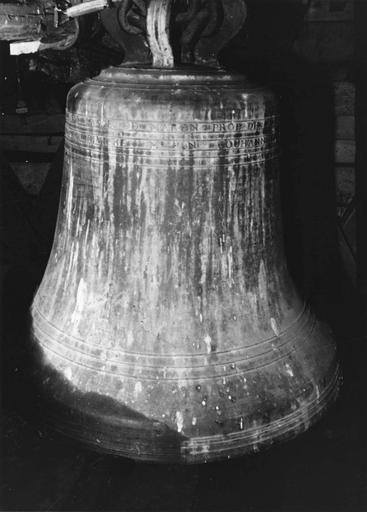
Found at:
[256, 439]
[92, 420]
[185, 75]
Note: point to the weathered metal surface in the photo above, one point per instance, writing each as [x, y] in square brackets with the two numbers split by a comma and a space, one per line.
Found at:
[200, 30]
[36, 25]
[20, 21]
[209, 29]
[168, 326]
[158, 21]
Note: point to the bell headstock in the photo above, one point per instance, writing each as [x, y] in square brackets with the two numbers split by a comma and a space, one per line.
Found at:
[167, 33]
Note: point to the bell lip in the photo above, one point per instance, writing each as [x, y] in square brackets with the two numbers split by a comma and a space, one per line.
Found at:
[113, 435]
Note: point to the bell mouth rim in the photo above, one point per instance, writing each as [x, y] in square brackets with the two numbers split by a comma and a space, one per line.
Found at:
[102, 432]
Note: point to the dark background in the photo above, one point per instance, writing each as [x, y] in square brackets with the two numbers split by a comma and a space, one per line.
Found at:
[303, 59]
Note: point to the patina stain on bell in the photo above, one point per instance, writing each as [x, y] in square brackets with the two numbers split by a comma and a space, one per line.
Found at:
[168, 324]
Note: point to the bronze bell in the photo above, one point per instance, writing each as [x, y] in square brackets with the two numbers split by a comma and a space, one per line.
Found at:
[169, 327]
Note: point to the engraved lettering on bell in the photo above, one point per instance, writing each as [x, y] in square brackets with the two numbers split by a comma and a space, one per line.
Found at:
[167, 326]
[168, 244]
